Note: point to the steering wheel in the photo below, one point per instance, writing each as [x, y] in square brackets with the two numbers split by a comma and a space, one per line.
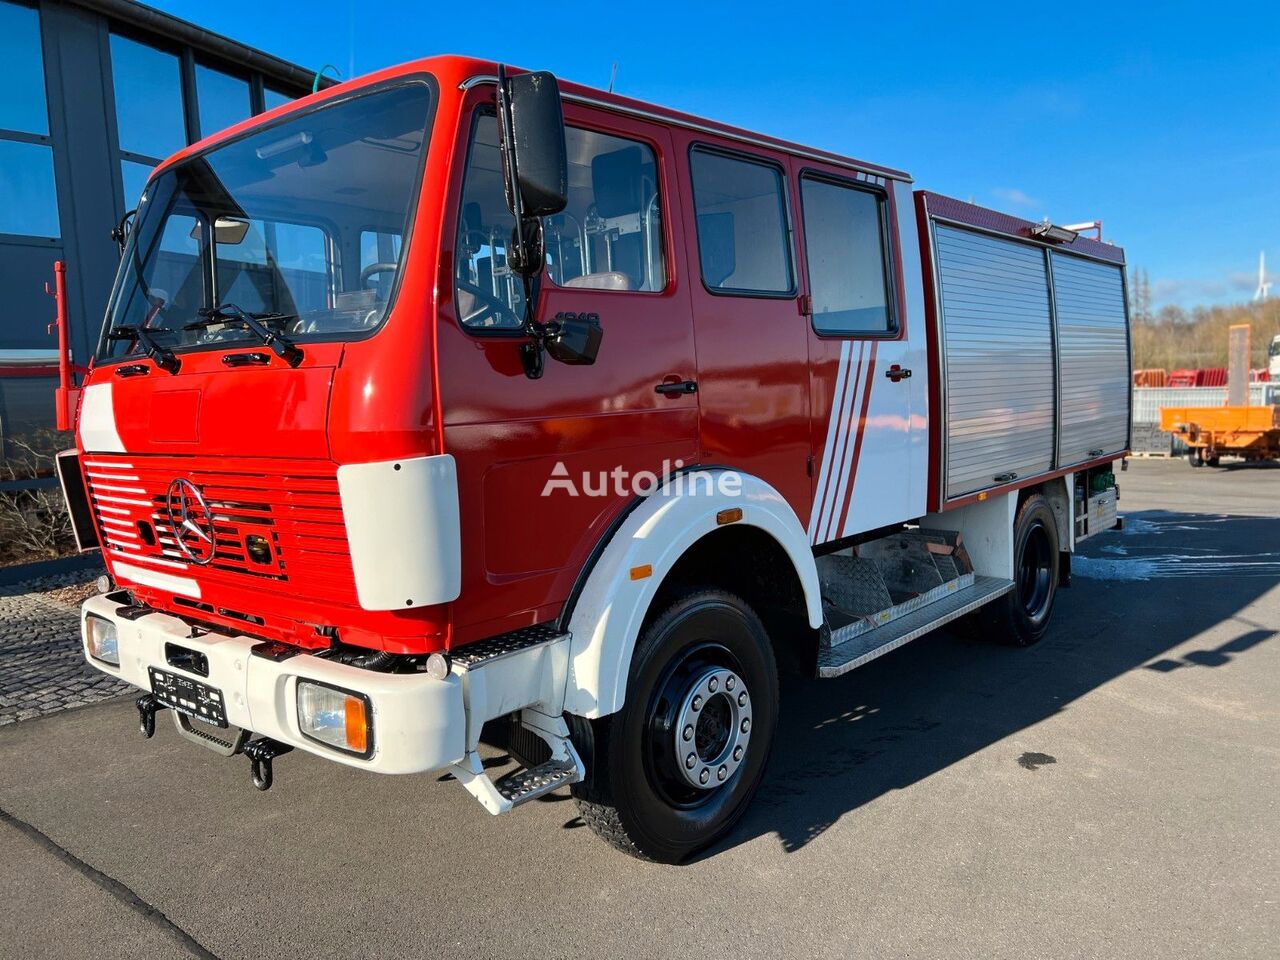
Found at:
[373, 268]
[486, 305]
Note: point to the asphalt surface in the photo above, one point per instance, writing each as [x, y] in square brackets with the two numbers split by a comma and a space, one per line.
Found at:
[1111, 792]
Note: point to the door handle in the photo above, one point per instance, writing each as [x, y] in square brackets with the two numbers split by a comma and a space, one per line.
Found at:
[676, 388]
[896, 373]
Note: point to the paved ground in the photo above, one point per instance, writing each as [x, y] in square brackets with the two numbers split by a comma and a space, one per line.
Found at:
[41, 668]
[1111, 792]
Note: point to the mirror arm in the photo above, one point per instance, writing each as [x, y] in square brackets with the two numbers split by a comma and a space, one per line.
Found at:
[532, 354]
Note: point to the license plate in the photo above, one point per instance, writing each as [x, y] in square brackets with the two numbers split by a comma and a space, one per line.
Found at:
[191, 697]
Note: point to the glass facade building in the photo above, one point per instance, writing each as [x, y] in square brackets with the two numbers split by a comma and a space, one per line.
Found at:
[96, 93]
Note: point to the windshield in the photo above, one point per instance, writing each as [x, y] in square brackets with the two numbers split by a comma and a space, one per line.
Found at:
[1274, 351]
[301, 225]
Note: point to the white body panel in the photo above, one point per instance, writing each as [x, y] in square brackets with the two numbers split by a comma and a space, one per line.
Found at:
[873, 470]
[404, 531]
[606, 620]
[96, 423]
[986, 528]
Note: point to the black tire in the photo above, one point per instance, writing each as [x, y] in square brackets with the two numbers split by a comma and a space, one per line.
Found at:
[1213, 461]
[1021, 617]
[636, 796]
[1193, 457]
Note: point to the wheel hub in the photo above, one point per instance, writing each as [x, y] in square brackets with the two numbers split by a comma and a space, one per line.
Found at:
[713, 727]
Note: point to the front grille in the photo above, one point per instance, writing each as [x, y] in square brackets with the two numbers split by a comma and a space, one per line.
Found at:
[288, 511]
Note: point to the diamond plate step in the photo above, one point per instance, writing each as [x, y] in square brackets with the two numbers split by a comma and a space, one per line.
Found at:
[848, 652]
[521, 786]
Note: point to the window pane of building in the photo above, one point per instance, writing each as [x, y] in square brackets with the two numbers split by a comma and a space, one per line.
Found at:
[28, 201]
[224, 99]
[148, 87]
[274, 98]
[742, 224]
[22, 107]
[844, 244]
[134, 176]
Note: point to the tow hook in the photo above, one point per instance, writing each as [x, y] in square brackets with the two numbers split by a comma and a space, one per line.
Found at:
[260, 753]
[148, 706]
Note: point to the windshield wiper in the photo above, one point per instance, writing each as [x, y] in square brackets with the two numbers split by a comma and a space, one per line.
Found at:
[164, 358]
[280, 345]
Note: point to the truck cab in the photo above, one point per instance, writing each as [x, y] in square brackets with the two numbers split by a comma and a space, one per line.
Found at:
[457, 402]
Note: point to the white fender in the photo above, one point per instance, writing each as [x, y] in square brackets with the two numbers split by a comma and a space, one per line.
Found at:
[606, 621]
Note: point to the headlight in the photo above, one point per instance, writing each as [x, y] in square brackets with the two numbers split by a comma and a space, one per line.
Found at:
[100, 638]
[337, 718]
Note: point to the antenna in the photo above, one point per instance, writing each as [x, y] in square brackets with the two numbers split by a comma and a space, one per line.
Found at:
[1264, 285]
[613, 75]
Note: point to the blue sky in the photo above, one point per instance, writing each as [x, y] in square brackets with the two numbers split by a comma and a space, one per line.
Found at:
[1160, 119]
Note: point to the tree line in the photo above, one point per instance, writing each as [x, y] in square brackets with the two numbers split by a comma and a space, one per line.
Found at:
[1173, 338]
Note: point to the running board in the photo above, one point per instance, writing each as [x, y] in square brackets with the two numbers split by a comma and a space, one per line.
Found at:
[853, 645]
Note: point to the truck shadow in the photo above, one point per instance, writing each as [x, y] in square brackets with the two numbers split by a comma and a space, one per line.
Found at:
[922, 708]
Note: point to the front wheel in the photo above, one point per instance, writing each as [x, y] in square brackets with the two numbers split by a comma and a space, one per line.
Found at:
[676, 767]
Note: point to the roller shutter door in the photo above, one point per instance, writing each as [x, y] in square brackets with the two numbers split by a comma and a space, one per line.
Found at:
[998, 363]
[1093, 358]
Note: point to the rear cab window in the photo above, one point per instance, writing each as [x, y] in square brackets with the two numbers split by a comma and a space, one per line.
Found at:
[744, 244]
[846, 256]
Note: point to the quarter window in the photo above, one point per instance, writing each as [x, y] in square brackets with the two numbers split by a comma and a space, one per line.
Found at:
[742, 225]
[845, 243]
[609, 236]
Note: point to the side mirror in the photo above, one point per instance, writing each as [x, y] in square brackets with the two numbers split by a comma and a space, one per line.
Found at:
[575, 338]
[120, 232]
[535, 169]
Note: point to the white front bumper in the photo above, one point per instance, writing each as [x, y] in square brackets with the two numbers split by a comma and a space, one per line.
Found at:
[419, 723]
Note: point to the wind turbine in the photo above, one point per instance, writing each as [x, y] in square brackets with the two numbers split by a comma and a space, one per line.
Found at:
[1264, 285]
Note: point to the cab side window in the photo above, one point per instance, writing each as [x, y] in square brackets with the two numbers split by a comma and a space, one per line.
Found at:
[609, 236]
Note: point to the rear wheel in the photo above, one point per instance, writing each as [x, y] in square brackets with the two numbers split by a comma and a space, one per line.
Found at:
[1021, 616]
[676, 767]
[1193, 457]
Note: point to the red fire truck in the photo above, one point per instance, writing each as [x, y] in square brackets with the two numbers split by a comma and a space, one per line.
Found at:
[455, 402]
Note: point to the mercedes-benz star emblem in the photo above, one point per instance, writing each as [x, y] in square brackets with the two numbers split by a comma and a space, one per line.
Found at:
[192, 521]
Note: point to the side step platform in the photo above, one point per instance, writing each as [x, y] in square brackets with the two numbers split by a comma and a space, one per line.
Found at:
[841, 657]
[525, 672]
[878, 595]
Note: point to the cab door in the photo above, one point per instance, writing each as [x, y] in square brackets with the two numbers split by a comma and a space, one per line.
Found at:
[546, 465]
[867, 350]
[752, 341]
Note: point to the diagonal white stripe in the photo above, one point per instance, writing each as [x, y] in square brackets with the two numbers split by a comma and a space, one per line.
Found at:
[845, 455]
[833, 423]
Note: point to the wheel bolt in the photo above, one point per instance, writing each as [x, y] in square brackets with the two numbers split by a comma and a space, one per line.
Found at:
[697, 703]
[746, 724]
[729, 683]
[737, 753]
[688, 732]
[691, 760]
[722, 773]
[714, 684]
[742, 699]
[704, 776]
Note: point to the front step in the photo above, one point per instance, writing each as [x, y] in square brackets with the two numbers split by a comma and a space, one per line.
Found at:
[521, 786]
[845, 653]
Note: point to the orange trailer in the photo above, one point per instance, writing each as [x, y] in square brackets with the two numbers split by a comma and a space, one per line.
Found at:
[1210, 432]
